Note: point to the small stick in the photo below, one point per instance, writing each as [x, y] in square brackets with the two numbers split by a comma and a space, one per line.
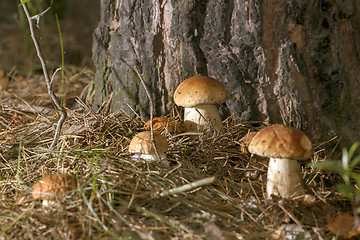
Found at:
[290, 215]
[172, 170]
[151, 111]
[187, 187]
[54, 74]
[52, 95]
[37, 16]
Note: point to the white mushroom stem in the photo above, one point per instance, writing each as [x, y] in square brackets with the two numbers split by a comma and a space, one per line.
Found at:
[201, 117]
[47, 203]
[148, 157]
[50, 202]
[284, 178]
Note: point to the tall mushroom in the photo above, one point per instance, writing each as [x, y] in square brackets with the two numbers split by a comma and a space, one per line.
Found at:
[198, 95]
[143, 148]
[284, 145]
[53, 187]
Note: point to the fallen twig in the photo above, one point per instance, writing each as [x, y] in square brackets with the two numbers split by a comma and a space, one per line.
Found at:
[187, 187]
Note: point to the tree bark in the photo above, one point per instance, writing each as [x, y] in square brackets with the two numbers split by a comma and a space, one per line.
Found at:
[281, 61]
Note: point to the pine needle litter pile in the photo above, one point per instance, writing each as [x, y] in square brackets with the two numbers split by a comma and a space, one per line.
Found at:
[118, 198]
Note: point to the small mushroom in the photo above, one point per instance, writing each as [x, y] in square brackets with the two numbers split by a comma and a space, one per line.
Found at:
[52, 187]
[245, 141]
[198, 95]
[143, 148]
[284, 146]
[169, 124]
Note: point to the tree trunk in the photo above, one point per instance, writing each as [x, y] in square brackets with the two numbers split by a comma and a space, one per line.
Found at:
[281, 61]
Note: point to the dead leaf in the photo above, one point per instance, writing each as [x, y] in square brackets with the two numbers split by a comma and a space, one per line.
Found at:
[343, 225]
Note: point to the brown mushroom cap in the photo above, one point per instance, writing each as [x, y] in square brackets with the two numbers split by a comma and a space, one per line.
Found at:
[280, 141]
[141, 143]
[53, 185]
[170, 124]
[199, 90]
[245, 141]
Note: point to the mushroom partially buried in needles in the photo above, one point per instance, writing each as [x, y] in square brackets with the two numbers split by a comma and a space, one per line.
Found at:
[161, 124]
[53, 187]
[143, 148]
[245, 141]
[284, 145]
[198, 95]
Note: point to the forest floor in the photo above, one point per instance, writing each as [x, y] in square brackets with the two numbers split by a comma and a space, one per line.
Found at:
[118, 198]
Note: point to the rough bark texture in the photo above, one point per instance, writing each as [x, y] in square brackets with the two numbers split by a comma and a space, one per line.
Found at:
[290, 60]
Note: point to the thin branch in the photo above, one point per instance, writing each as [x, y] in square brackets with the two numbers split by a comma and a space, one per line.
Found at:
[54, 74]
[51, 93]
[187, 187]
[151, 103]
[37, 16]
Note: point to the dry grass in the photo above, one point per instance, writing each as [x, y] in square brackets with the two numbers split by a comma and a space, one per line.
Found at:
[119, 199]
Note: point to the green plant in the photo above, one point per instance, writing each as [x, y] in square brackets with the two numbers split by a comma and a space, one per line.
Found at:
[350, 188]
[347, 169]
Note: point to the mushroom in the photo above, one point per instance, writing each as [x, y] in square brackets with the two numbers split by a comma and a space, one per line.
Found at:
[245, 141]
[284, 145]
[143, 148]
[53, 187]
[161, 124]
[198, 95]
